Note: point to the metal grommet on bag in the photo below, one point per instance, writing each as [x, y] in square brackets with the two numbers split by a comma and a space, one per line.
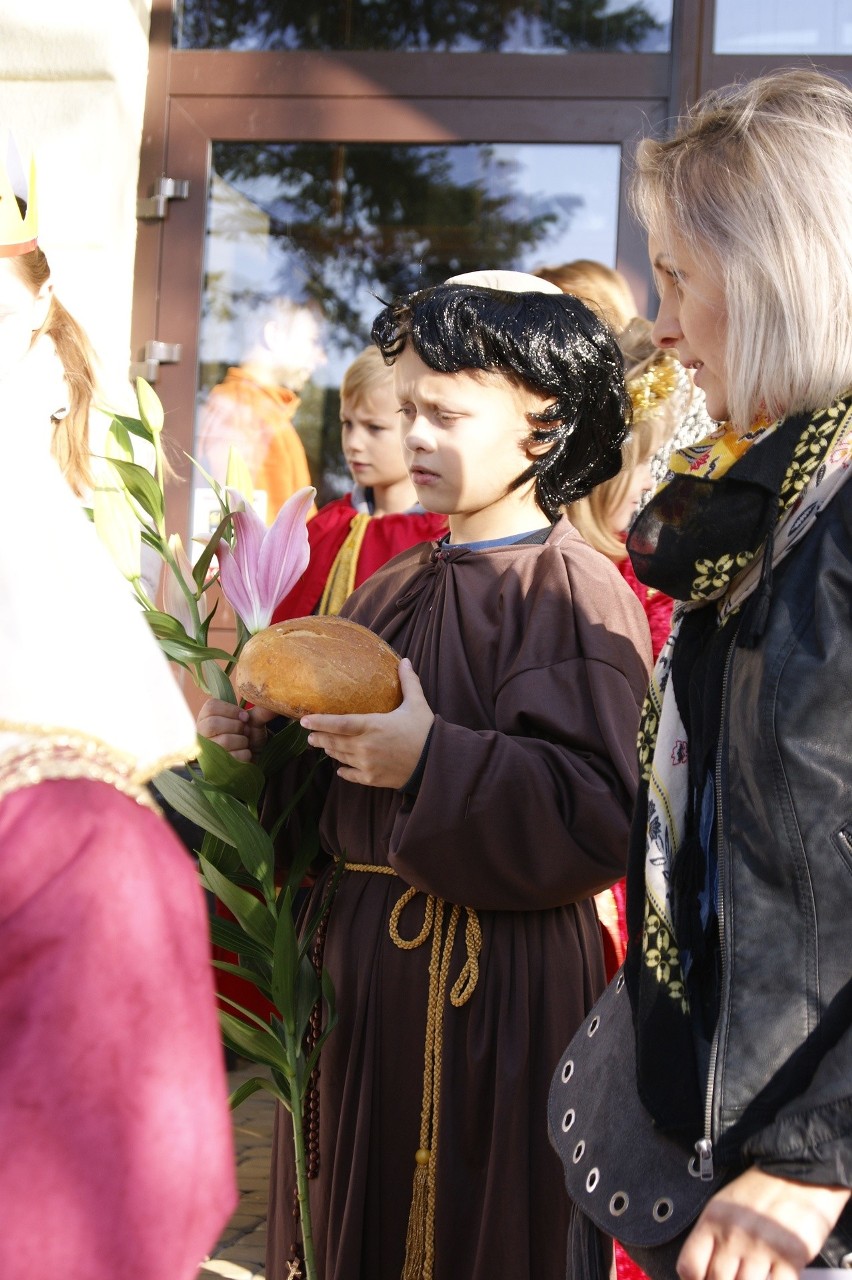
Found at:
[663, 1209]
[625, 1177]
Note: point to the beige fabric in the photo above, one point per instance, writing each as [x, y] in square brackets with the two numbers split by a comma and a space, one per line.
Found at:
[76, 656]
[509, 281]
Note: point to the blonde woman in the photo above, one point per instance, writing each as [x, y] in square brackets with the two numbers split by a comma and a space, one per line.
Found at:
[740, 873]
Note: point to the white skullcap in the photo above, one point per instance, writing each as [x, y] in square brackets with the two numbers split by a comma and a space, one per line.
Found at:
[508, 281]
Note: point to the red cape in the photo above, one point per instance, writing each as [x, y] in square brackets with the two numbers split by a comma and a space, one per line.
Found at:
[385, 537]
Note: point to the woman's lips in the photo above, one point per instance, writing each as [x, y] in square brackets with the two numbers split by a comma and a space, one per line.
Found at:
[422, 477]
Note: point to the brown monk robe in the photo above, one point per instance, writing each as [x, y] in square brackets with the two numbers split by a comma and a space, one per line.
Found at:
[534, 659]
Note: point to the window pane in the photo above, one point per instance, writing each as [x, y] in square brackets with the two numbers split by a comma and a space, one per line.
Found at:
[465, 26]
[783, 26]
[303, 238]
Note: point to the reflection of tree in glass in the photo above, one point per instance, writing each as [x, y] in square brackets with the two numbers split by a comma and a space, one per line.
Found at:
[449, 25]
[361, 219]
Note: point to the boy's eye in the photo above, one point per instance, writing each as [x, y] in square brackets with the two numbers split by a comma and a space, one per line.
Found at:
[406, 411]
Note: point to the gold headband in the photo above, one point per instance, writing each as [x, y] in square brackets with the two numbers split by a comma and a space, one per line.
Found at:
[651, 388]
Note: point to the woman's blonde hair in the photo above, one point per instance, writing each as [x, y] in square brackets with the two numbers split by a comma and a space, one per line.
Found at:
[367, 371]
[70, 443]
[757, 179]
[651, 378]
[601, 287]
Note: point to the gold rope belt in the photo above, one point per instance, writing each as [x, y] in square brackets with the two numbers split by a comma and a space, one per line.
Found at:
[420, 1241]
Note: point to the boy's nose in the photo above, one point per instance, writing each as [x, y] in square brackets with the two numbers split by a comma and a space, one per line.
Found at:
[418, 438]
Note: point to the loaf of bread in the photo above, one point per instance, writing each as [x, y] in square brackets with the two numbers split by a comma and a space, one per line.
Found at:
[310, 665]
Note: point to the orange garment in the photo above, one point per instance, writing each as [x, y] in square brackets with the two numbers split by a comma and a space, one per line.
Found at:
[256, 419]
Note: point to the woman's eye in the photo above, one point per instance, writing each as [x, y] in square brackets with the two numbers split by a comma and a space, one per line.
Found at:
[406, 411]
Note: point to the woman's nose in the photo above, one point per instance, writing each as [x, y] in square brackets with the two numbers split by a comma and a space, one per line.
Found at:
[666, 331]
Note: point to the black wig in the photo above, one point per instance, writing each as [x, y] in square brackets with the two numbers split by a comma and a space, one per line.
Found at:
[549, 343]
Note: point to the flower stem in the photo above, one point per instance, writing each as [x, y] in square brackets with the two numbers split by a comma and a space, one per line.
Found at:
[302, 1191]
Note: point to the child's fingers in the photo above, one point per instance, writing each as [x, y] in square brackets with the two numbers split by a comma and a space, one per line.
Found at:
[342, 726]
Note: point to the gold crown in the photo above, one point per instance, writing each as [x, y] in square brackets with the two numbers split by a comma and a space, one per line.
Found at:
[653, 386]
[18, 233]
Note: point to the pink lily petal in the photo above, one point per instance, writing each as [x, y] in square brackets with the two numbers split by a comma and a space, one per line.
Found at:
[236, 592]
[285, 552]
[249, 533]
[264, 563]
[237, 566]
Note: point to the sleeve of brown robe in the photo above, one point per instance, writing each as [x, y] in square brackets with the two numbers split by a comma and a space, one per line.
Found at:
[535, 812]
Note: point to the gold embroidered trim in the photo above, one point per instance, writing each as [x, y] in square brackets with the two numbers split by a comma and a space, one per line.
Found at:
[341, 579]
[48, 757]
[89, 745]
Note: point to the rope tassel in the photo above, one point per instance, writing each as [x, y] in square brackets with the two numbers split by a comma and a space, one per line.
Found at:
[420, 1239]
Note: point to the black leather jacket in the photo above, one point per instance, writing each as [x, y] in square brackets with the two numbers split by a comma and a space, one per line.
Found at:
[780, 1087]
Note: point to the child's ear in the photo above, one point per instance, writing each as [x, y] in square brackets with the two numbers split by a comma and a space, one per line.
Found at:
[534, 448]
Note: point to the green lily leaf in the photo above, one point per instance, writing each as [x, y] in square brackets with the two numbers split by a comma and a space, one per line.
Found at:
[249, 911]
[142, 486]
[251, 1042]
[218, 683]
[282, 747]
[248, 1087]
[118, 444]
[203, 562]
[249, 839]
[308, 992]
[228, 935]
[150, 408]
[284, 965]
[185, 651]
[223, 856]
[191, 802]
[245, 781]
[248, 975]
[135, 426]
[165, 626]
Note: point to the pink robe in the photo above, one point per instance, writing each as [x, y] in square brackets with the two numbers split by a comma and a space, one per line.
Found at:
[118, 1147]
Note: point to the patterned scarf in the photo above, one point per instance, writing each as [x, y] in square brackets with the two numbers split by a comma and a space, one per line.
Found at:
[727, 514]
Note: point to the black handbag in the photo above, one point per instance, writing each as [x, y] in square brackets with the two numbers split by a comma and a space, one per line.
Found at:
[623, 1175]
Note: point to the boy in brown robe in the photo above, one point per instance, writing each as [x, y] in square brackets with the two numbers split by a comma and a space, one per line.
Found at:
[502, 783]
